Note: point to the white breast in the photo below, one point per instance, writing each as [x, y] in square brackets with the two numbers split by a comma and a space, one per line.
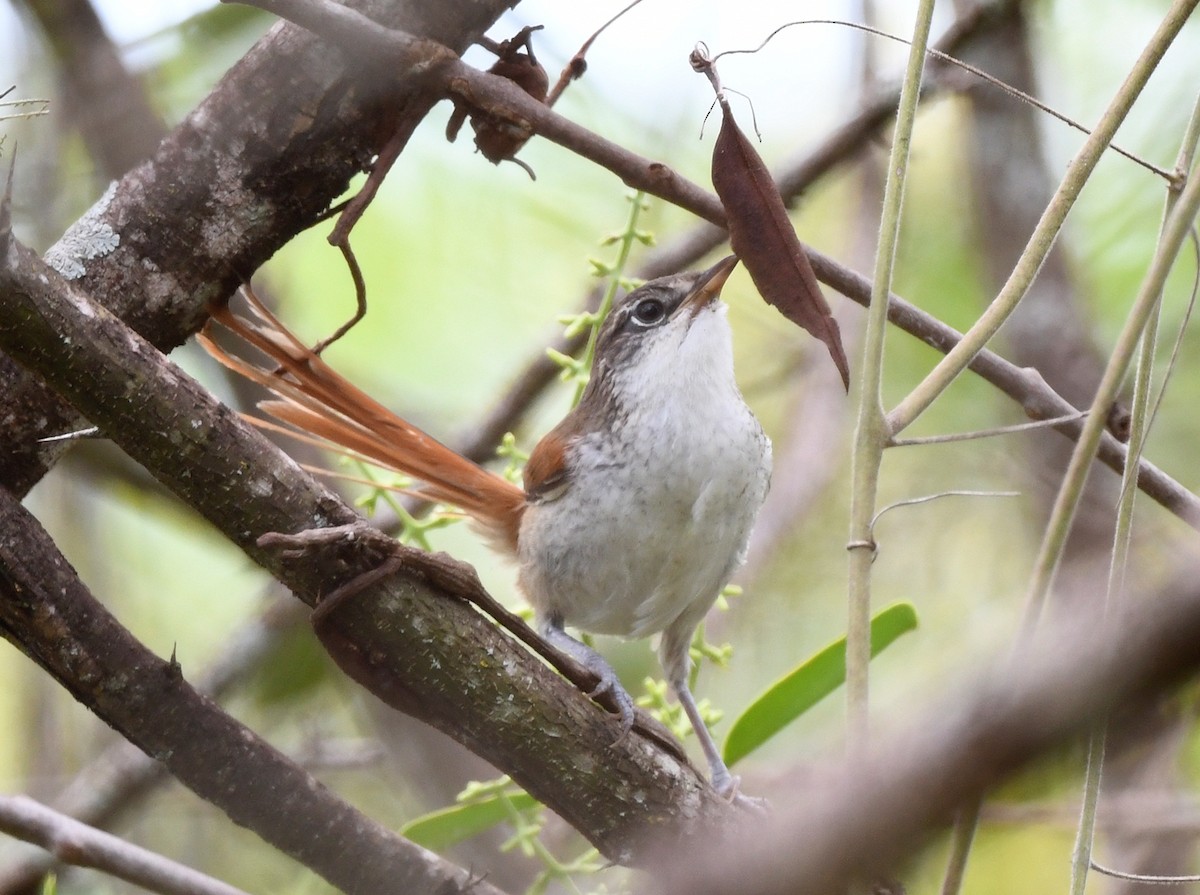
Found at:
[656, 517]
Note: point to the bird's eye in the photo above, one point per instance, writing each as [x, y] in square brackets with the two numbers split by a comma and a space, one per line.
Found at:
[648, 312]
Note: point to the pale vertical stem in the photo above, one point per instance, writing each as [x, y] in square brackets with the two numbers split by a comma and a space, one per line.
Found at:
[1026, 268]
[1081, 858]
[871, 433]
[1174, 231]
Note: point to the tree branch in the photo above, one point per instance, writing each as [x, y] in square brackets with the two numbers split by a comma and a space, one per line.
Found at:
[75, 843]
[111, 783]
[549, 737]
[51, 616]
[258, 161]
[502, 99]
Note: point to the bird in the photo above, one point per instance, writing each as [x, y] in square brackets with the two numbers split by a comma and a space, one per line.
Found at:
[634, 511]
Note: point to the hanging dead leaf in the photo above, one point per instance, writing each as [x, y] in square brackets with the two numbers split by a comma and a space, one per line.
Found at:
[761, 233]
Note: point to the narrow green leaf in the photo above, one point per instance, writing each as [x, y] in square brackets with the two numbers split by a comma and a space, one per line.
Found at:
[440, 829]
[807, 684]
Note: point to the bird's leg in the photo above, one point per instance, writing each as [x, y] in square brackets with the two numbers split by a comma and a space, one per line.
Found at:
[673, 654]
[725, 783]
[552, 630]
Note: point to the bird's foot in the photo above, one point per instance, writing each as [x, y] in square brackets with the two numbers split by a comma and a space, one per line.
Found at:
[727, 786]
[607, 681]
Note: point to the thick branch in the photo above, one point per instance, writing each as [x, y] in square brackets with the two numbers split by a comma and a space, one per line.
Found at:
[258, 161]
[47, 612]
[115, 781]
[549, 737]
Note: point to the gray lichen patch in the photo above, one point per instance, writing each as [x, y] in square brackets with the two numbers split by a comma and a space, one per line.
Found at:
[89, 237]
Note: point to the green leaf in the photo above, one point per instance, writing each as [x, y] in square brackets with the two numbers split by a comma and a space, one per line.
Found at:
[806, 685]
[440, 829]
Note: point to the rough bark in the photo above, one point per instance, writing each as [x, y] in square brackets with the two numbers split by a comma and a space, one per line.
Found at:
[47, 612]
[409, 633]
[257, 162]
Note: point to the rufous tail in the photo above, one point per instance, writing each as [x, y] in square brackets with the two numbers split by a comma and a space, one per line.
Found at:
[316, 400]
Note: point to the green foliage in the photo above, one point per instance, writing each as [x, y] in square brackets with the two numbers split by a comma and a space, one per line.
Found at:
[514, 458]
[578, 370]
[484, 805]
[479, 807]
[807, 684]
[656, 698]
[414, 530]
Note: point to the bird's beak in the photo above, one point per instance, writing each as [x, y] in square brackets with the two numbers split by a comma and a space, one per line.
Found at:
[708, 287]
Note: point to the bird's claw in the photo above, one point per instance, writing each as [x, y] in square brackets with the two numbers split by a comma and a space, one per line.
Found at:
[609, 683]
[728, 787]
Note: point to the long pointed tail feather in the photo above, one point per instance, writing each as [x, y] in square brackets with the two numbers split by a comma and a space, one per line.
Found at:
[315, 399]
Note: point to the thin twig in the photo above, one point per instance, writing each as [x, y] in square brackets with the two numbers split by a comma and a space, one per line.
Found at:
[75, 843]
[1014, 92]
[1173, 360]
[1175, 229]
[872, 431]
[77, 435]
[360, 294]
[988, 433]
[1048, 227]
[914, 501]
[1147, 878]
[577, 65]
[353, 210]
[1141, 417]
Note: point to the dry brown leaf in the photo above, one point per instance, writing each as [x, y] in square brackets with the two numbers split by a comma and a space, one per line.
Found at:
[762, 236]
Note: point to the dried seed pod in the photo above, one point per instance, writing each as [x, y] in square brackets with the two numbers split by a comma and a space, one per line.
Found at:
[497, 140]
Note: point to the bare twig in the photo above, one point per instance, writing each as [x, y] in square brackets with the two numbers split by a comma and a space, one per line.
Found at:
[577, 64]
[76, 843]
[986, 433]
[1149, 879]
[967, 67]
[926, 498]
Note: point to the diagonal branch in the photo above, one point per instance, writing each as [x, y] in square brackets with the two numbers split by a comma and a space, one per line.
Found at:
[412, 631]
[169, 281]
[503, 100]
[860, 819]
[48, 613]
[258, 161]
[115, 781]
[83, 846]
